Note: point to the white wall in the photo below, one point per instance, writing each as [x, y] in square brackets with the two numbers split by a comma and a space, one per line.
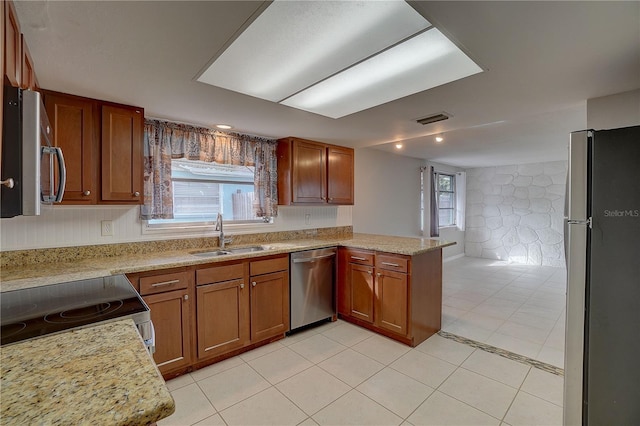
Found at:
[613, 111]
[387, 193]
[516, 213]
[451, 233]
[64, 226]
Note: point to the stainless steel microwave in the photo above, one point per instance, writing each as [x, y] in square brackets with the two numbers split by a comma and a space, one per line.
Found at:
[33, 172]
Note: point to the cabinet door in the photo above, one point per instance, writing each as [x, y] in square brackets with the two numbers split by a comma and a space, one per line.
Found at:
[223, 321]
[122, 154]
[391, 292]
[362, 294]
[309, 183]
[269, 305]
[72, 119]
[170, 314]
[339, 175]
[28, 79]
[12, 54]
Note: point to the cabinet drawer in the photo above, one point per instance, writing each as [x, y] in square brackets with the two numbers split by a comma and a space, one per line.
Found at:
[219, 273]
[361, 257]
[163, 283]
[260, 267]
[392, 263]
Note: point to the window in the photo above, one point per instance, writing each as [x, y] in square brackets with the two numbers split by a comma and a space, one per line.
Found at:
[446, 194]
[201, 190]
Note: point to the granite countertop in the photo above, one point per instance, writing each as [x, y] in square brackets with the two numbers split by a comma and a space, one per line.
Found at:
[96, 375]
[17, 277]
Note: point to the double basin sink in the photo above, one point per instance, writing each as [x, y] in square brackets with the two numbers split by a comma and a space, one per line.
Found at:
[226, 252]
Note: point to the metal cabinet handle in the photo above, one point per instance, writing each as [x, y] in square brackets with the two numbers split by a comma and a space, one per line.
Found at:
[87, 193]
[370, 272]
[253, 283]
[136, 194]
[9, 183]
[165, 283]
[357, 258]
[378, 274]
[186, 297]
[330, 199]
[395, 265]
[241, 285]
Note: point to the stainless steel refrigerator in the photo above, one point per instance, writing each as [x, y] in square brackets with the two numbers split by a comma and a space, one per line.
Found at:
[602, 239]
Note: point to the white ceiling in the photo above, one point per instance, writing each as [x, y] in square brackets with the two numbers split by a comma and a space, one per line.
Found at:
[542, 61]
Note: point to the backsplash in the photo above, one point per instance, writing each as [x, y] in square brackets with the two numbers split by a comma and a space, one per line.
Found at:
[515, 213]
[69, 226]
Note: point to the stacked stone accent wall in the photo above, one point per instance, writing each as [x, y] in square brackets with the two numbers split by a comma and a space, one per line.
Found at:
[516, 213]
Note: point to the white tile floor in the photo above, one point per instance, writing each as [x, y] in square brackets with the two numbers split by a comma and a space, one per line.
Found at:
[520, 308]
[340, 374]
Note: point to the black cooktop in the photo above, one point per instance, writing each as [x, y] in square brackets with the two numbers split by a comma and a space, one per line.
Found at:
[33, 312]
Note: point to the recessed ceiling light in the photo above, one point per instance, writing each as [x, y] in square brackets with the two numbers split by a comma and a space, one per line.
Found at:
[439, 138]
[398, 146]
[224, 126]
[345, 57]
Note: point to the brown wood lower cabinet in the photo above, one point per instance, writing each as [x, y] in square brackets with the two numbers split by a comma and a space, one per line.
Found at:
[169, 298]
[391, 301]
[240, 304]
[206, 313]
[222, 309]
[362, 292]
[396, 295]
[269, 305]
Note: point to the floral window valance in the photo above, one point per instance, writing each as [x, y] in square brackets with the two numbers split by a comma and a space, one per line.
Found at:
[164, 141]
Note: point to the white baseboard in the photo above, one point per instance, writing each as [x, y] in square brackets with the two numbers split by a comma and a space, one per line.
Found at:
[450, 258]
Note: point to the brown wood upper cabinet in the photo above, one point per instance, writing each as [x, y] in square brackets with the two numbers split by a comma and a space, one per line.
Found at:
[121, 163]
[74, 122]
[18, 64]
[312, 172]
[12, 45]
[102, 144]
[28, 78]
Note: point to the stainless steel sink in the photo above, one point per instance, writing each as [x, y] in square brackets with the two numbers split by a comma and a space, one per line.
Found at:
[212, 253]
[245, 249]
[238, 250]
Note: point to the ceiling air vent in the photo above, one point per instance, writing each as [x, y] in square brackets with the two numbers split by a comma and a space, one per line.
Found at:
[433, 118]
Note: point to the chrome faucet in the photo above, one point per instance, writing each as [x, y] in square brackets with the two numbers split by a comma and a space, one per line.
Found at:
[223, 240]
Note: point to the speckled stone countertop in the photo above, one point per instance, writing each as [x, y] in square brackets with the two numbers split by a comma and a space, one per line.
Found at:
[25, 276]
[98, 375]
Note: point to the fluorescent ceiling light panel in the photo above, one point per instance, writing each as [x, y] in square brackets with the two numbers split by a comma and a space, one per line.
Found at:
[294, 44]
[335, 58]
[423, 62]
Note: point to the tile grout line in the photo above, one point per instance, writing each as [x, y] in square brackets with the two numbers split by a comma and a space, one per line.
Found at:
[504, 353]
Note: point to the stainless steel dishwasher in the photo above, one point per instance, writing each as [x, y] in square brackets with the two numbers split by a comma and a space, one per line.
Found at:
[312, 286]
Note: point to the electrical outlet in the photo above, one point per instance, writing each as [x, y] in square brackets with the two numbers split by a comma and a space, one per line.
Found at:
[307, 219]
[106, 228]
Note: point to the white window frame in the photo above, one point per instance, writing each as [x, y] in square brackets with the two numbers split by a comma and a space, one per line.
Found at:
[205, 228]
[454, 198]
